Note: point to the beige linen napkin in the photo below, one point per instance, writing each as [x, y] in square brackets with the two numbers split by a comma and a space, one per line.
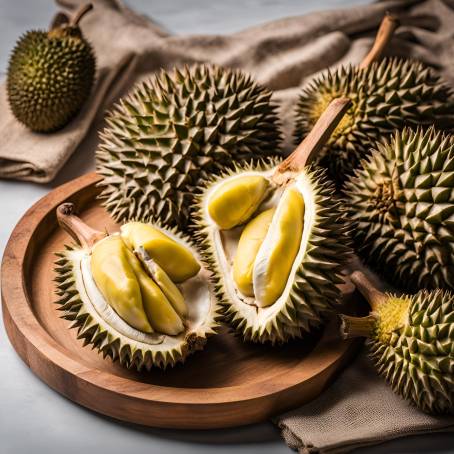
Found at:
[281, 54]
[358, 410]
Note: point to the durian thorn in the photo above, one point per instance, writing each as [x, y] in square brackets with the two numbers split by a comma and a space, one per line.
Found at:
[84, 9]
[385, 32]
[367, 287]
[307, 150]
[79, 231]
[357, 326]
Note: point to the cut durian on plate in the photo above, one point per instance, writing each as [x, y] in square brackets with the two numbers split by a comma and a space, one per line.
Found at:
[126, 304]
[277, 241]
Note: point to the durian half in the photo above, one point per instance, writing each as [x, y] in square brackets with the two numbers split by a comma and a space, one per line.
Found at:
[410, 341]
[277, 241]
[141, 296]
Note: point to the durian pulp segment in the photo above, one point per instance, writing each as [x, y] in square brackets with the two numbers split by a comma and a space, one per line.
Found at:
[392, 316]
[234, 202]
[278, 251]
[172, 256]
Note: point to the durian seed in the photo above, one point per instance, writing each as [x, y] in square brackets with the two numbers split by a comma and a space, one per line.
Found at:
[235, 201]
[250, 241]
[170, 290]
[118, 283]
[175, 259]
[279, 249]
[160, 312]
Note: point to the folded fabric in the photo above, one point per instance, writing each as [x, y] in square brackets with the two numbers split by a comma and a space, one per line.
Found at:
[281, 55]
[358, 410]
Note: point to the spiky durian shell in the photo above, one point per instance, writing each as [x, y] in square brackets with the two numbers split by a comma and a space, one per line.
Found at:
[49, 78]
[172, 131]
[315, 292]
[95, 331]
[401, 203]
[385, 96]
[418, 359]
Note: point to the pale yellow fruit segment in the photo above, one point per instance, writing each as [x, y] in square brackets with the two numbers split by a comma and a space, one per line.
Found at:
[117, 282]
[236, 200]
[174, 258]
[279, 249]
[160, 312]
[250, 241]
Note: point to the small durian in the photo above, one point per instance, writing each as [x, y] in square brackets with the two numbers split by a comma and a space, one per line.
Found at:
[410, 341]
[401, 205]
[386, 95]
[175, 130]
[119, 291]
[50, 75]
[276, 240]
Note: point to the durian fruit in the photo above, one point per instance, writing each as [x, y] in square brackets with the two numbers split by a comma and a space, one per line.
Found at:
[50, 75]
[411, 342]
[276, 240]
[175, 130]
[130, 298]
[386, 95]
[401, 204]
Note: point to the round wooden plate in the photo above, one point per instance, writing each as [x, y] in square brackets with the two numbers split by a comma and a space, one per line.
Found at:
[229, 383]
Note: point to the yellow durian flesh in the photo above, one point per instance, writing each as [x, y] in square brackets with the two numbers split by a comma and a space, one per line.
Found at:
[279, 249]
[160, 312]
[248, 246]
[236, 200]
[174, 258]
[118, 283]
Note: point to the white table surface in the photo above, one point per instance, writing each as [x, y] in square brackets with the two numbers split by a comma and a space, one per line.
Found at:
[34, 418]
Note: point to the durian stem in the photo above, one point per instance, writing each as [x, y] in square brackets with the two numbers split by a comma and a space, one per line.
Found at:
[84, 9]
[367, 287]
[314, 141]
[384, 35]
[79, 231]
[357, 326]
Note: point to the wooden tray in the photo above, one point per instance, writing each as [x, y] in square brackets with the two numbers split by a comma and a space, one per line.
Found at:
[227, 384]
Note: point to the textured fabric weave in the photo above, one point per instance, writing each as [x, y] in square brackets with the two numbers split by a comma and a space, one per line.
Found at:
[281, 55]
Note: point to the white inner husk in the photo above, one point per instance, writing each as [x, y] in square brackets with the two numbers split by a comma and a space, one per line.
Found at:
[225, 244]
[196, 292]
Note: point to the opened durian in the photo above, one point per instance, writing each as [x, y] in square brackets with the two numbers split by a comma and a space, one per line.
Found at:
[386, 95]
[411, 342]
[141, 296]
[50, 75]
[401, 203]
[175, 130]
[276, 240]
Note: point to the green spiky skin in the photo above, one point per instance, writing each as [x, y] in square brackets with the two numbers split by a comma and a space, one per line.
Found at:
[401, 203]
[175, 130]
[418, 359]
[109, 342]
[385, 96]
[50, 76]
[315, 293]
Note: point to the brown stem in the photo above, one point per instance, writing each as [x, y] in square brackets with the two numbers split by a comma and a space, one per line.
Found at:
[368, 289]
[357, 326]
[80, 13]
[306, 151]
[79, 231]
[384, 35]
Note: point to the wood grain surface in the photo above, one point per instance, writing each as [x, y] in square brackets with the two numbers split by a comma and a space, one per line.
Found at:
[229, 383]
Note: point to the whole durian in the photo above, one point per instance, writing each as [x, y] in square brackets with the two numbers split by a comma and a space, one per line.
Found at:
[411, 342]
[276, 240]
[386, 95]
[175, 130]
[141, 296]
[50, 75]
[401, 204]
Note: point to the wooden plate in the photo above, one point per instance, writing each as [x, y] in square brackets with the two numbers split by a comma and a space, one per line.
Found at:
[229, 383]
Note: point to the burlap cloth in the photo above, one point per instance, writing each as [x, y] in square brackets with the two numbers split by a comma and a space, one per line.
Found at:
[358, 409]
